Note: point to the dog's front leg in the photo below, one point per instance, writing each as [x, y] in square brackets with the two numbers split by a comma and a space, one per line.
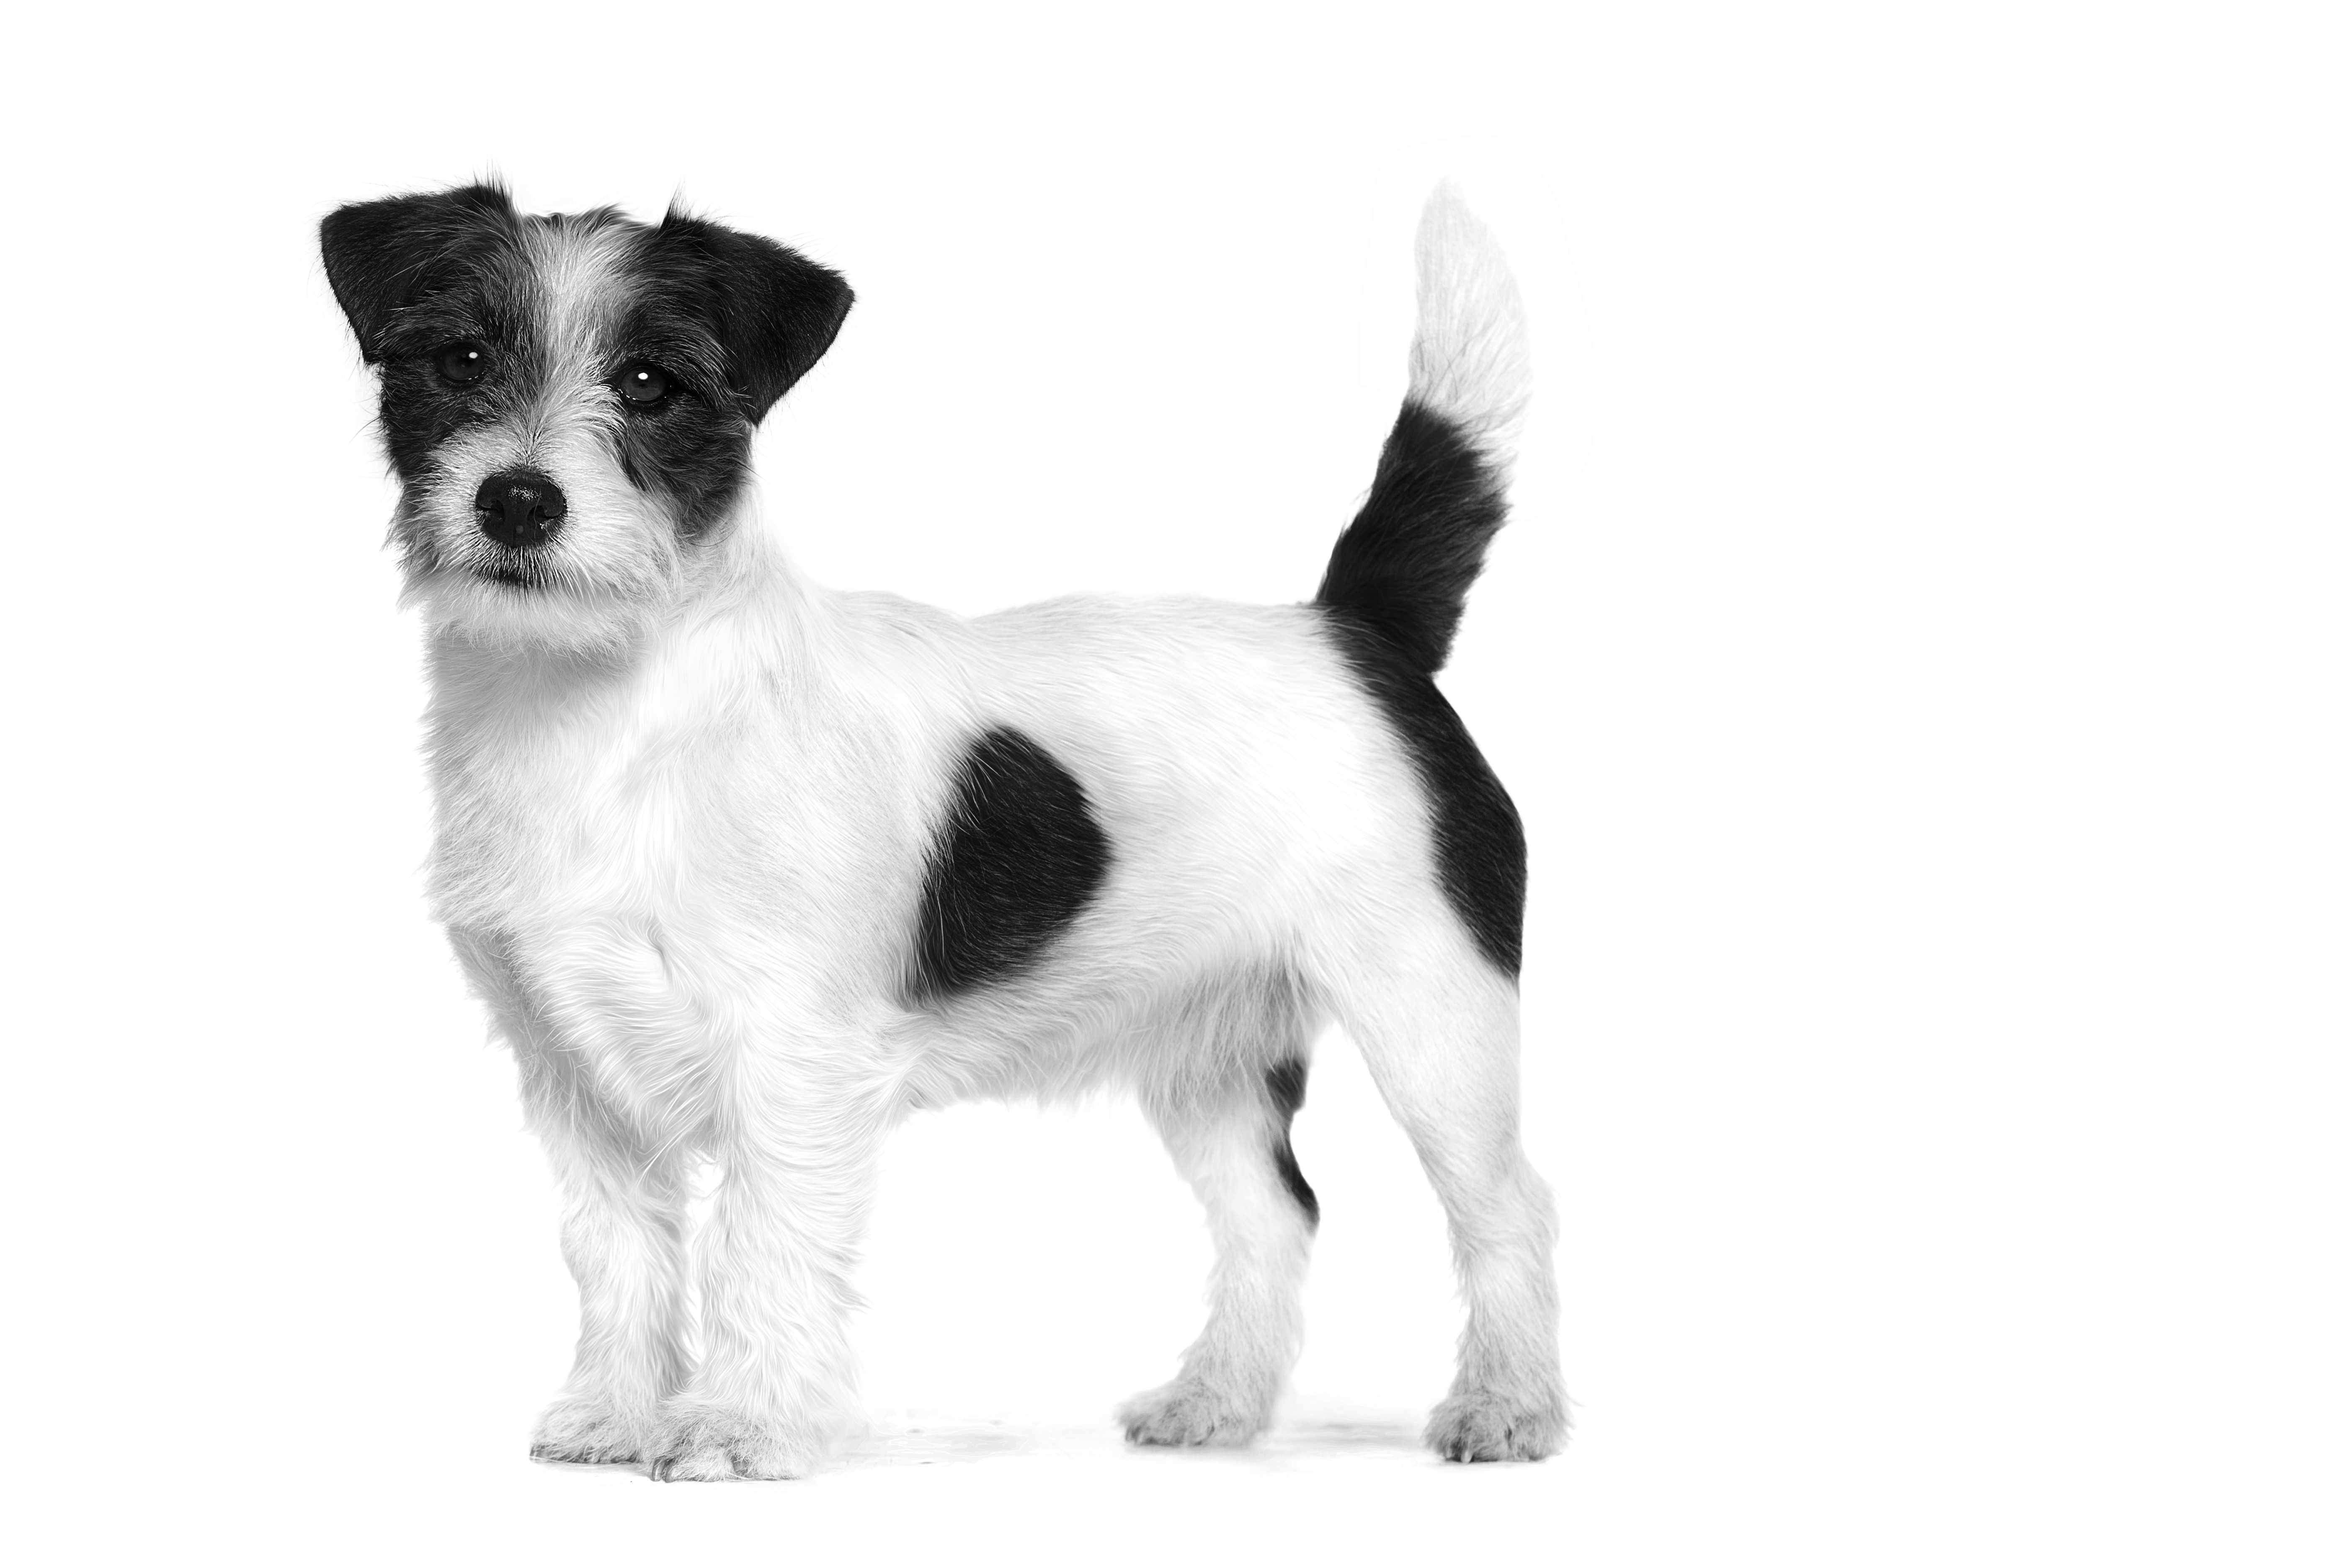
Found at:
[776, 1384]
[624, 1221]
[623, 1187]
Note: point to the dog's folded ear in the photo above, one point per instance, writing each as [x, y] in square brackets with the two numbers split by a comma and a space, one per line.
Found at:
[382, 255]
[773, 311]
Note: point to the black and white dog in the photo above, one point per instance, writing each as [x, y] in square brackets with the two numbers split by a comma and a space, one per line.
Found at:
[746, 869]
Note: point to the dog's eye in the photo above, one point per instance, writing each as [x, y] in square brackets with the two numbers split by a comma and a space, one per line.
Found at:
[643, 386]
[462, 364]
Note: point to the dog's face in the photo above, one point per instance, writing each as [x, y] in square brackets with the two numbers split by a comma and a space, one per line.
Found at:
[568, 400]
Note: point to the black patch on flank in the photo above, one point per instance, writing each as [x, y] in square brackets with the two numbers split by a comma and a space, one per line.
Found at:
[1286, 1085]
[1019, 855]
[1392, 599]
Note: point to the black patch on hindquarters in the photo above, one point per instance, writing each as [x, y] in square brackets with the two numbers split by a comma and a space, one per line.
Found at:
[1481, 849]
[1392, 597]
[1018, 854]
[1286, 1085]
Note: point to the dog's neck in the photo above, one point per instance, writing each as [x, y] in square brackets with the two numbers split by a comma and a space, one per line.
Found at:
[740, 613]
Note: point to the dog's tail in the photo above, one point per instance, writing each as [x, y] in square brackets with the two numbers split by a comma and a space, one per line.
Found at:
[1403, 567]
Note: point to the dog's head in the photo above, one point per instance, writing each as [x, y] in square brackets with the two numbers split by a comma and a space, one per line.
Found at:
[568, 400]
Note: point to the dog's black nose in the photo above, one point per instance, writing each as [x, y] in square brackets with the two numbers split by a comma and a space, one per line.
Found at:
[519, 509]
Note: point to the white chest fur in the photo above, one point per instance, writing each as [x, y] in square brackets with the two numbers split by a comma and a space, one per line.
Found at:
[677, 857]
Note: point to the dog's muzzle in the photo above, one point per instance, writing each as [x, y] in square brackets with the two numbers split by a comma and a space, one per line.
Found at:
[519, 508]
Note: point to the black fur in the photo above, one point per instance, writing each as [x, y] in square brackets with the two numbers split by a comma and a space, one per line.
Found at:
[1285, 1085]
[414, 274]
[383, 256]
[1018, 856]
[732, 319]
[770, 312]
[774, 310]
[1392, 597]
[1403, 567]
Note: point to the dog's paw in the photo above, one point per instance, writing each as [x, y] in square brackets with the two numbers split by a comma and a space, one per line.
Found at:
[582, 1430]
[1486, 1425]
[707, 1443]
[1192, 1414]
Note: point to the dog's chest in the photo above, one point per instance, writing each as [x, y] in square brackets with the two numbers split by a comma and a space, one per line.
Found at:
[620, 831]
[554, 822]
[647, 856]
[596, 860]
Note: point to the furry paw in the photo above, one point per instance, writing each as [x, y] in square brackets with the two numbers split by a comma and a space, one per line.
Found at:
[1192, 1414]
[706, 1443]
[579, 1430]
[1485, 1425]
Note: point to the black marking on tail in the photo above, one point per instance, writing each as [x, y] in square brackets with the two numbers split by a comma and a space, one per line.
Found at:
[1392, 598]
[1285, 1085]
[1403, 567]
[1019, 855]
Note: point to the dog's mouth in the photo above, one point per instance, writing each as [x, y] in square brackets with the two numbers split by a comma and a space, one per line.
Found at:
[520, 571]
[428, 553]
[513, 574]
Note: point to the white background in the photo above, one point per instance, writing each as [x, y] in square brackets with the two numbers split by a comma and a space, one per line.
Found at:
[1923, 671]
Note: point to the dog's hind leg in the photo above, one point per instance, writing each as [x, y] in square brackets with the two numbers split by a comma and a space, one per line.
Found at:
[1226, 1120]
[1439, 1028]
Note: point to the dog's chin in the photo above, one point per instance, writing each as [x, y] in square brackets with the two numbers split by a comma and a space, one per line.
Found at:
[520, 605]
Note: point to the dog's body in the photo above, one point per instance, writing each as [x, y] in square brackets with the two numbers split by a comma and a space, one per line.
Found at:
[746, 869]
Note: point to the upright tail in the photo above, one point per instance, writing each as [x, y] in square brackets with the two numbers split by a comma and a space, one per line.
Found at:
[1403, 567]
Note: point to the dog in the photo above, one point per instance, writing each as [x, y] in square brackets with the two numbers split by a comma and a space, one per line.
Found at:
[745, 870]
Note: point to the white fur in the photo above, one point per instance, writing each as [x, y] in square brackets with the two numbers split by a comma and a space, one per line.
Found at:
[683, 806]
[1470, 348]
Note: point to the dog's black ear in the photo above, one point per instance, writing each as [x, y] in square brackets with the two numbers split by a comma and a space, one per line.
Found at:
[385, 253]
[773, 311]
